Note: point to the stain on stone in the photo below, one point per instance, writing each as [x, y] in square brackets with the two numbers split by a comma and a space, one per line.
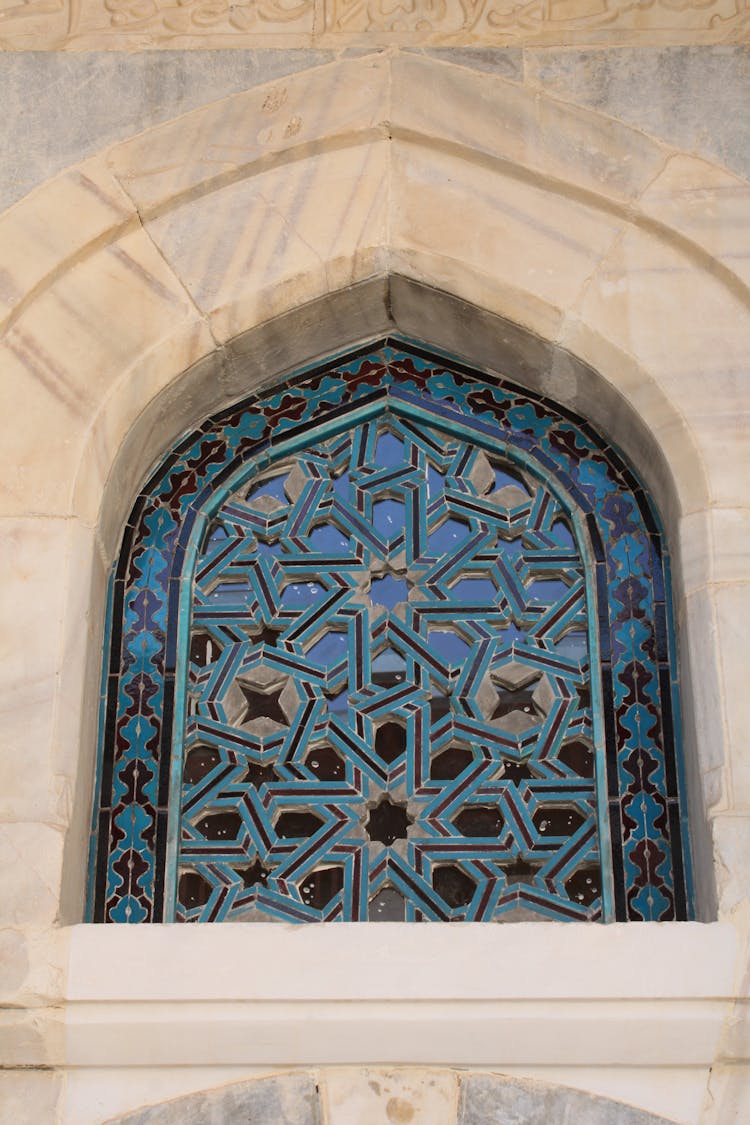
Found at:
[399, 1111]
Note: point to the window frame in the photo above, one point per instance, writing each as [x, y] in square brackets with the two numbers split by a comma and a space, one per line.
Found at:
[272, 449]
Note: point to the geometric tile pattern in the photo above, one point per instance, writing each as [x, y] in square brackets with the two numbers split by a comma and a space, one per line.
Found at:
[389, 702]
[391, 641]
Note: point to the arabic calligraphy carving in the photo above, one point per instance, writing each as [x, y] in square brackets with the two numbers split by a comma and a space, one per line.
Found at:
[40, 24]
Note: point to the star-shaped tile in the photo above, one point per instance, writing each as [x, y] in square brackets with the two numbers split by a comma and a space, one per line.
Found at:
[510, 700]
[262, 704]
[520, 871]
[258, 775]
[254, 875]
[265, 634]
[388, 822]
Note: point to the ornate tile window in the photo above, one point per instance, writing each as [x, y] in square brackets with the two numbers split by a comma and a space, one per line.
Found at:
[390, 642]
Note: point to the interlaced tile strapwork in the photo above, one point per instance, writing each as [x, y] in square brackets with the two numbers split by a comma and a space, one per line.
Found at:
[390, 692]
[346, 677]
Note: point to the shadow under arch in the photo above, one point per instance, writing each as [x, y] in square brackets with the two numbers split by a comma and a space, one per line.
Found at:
[264, 355]
[346, 318]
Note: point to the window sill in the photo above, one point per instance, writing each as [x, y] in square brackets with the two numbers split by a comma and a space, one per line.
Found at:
[463, 994]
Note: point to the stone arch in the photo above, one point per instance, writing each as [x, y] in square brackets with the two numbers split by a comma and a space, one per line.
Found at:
[585, 245]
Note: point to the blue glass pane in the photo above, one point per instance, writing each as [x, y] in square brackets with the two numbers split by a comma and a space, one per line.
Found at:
[342, 486]
[448, 645]
[338, 704]
[475, 590]
[547, 591]
[389, 661]
[435, 482]
[505, 477]
[300, 594]
[231, 592]
[330, 650]
[448, 537]
[389, 451]
[388, 591]
[274, 487]
[388, 518]
[328, 539]
[573, 644]
[562, 534]
[511, 634]
[510, 548]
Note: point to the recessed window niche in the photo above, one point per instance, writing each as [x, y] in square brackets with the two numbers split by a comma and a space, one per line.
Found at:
[391, 641]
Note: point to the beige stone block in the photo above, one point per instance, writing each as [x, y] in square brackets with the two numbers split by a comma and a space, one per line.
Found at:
[78, 715]
[731, 543]
[101, 466]
[736, 1042]
[536, 244]
[715, 547]
[731, 834]
[29, 1097]
[106, 311]
[32, 965]
[714, 787]
[728, 1096]
[660, 306]
[56, 226]
[50, 570]
[707, 205]
[389, 1097]
[647, 425]
[702, 680]
[44, 433]
[693, 565]
[732, 614]
[550, 142]
[33, 558]
[71, 343]
[242, 135]
[693, 335]
[30, 866]
[399, 965]
[248, 251]
[31, 1038]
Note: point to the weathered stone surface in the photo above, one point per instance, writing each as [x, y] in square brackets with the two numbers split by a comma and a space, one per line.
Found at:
[693, 97]
[563, 143]
[686, 96]
[288, 1099]
[406, 1096]
[488, 1099]
[505, 62]
[60, 108]
[29, 1097]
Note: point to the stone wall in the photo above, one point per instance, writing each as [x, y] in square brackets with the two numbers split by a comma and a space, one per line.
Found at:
[157, 266]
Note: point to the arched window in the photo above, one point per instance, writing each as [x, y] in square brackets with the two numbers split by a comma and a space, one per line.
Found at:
[390, 641]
